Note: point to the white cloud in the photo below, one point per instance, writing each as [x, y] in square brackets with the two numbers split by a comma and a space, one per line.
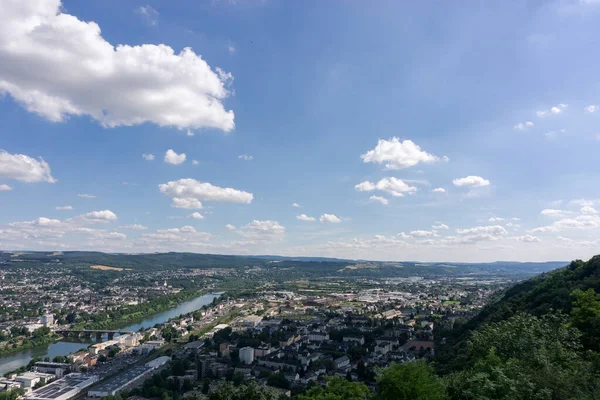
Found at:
[188, 193]
[471, 181]
[230, 227]
[396, 154]
[422, 233]
[5, 188]
[245, 157]
[148, 157]
[196, 215]
[56, 65]
[404, 235]
[550, 212]
[64, 208]
[173, 158]
[86, 196]
[439, 190]
[558, 109]
[379, 199]
[592, 108]
[135, 227]
[527, 239]
[440, 227]
[231, 49]
[99, 216]
[329, 218]
[496, 219]
[304, 217]
[21, 167]
[296, 205]
[489, 229]
[261, 231]
[395, 187]
[579, 222]
[521, 126]
[195, 162]
[588, 210]
[149, 14]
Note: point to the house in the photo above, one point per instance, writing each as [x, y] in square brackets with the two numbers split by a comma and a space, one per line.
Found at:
[341, 362]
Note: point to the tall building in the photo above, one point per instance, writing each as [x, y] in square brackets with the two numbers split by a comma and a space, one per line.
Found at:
[47, 319]
[247, 355]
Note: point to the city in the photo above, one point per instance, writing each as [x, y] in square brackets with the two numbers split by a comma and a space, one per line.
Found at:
[303, 200]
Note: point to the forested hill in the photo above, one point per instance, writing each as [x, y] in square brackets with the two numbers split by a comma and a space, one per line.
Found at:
[543, 293]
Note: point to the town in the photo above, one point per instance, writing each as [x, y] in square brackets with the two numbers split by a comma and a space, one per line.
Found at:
[286, 336]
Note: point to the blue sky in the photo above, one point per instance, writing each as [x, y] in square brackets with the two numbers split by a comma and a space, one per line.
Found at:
[354, 112]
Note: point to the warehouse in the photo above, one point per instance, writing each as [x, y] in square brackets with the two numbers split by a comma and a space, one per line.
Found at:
[121, 381]
[64, 388]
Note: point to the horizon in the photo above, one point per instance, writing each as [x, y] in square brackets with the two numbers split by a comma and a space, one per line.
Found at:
[401, 131]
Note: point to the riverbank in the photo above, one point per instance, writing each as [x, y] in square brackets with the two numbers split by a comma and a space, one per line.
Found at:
[128, 315]
[28, 344]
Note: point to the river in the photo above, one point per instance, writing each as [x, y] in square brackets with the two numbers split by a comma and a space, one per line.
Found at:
[63, 347]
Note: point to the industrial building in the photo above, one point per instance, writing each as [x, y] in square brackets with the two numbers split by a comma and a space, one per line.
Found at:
[64, 388]
[127, 378]
[56, 369]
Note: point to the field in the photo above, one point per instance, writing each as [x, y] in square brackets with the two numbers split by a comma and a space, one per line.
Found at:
[107, 268]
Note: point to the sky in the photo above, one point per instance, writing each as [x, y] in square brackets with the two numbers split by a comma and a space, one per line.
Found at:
[391, 130]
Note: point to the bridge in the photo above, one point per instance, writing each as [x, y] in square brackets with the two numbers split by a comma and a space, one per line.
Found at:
[91, 332]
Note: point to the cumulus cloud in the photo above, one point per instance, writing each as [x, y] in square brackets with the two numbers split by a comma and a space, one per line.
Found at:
[592, 108]
[86, 196]
[230, 227]
[296, 205]
[189, 193]
[260, 231]
[379, 199]
[558, 109]
[148, 157]
[245, 157]
[304, 217]
[396, 154]
[56, 65]
[135, 227]
[100, 216]
[422, 233]
[196, 215]
[585, 221]
[588, 210]
[439, 227]
[471, 181]
[439, 190]
[395, 187]
[195, 162]
[64, 208]
[404, 235]
[489, 229]
[551, 212]
[5, 188]
[527, 239]
[173, 158]
[496, 219]
[329, 218]
[21, 167]
[521, 126]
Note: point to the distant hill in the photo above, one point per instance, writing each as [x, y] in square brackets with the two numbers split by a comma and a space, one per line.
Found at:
[318, 266]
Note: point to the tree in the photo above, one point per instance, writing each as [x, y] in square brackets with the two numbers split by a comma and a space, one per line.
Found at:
[585, 316]
[338, 389]
[251, 391]
[410, 381]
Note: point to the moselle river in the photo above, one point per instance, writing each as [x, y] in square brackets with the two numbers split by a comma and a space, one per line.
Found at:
[63, 347]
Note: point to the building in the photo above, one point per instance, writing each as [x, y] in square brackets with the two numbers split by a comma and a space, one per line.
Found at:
[250, 321]
[47, 319]
[342, 362]
[355, 339]
[157, 362]
[318, 336]
[30, 379]
[247, 355]
[56, 369]
[63, 389]
[263, 350]
[121, 381]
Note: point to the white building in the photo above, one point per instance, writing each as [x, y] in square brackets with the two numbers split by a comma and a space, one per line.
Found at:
[47, 319]
[247, 355]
